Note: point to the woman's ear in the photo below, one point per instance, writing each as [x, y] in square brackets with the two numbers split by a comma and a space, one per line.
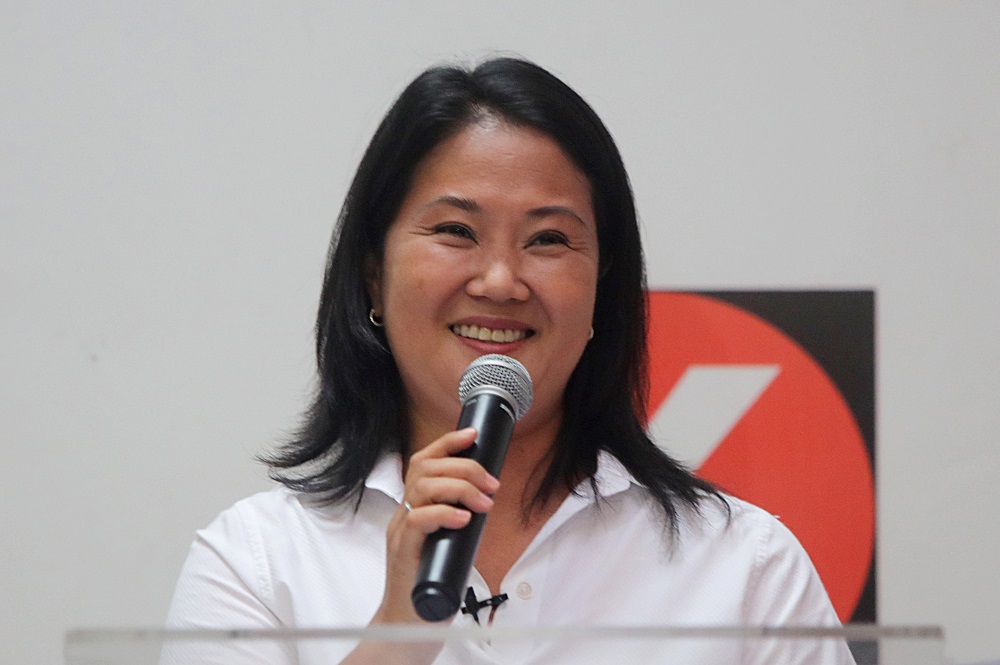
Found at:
[373, 283]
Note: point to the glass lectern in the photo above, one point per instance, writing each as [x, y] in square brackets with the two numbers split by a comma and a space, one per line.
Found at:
[580, 645]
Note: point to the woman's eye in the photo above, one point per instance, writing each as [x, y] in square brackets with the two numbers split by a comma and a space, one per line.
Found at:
[550, 238]
[457, 230]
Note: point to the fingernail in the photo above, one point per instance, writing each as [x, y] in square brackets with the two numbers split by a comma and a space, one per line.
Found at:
[492, 483]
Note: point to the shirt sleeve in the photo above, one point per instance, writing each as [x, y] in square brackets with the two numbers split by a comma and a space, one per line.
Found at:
[225, 583]
[786, 591]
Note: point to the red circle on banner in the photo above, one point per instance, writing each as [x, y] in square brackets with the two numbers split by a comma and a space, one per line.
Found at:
[797, 452]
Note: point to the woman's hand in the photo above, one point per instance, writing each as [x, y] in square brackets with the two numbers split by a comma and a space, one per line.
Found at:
[436, 482]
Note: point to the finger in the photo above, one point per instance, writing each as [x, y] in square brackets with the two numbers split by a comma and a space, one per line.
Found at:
[438, 459]
[431, 490]
[460, 468]
[408, 530]
[425, 520]
[449, 444]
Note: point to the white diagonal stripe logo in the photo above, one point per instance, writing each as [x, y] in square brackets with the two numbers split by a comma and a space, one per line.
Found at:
[705, 406]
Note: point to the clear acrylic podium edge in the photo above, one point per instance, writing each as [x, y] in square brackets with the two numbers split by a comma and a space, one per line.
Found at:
[849, 632]
[870, 644]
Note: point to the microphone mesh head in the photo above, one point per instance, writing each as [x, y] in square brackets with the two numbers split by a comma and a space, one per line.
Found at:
[502, 372]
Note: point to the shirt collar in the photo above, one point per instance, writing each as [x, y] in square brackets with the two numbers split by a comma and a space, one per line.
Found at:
[611, 477]
[387, 476]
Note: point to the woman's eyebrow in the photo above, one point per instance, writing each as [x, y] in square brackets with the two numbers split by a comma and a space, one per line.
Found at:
[548, 211]
[462, 203]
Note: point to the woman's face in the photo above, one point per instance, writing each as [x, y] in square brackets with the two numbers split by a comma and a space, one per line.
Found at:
[494, 250]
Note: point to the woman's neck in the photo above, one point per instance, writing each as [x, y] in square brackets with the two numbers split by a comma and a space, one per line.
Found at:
[516, 518]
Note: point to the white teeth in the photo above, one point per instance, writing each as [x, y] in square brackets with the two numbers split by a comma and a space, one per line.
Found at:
[489, 335]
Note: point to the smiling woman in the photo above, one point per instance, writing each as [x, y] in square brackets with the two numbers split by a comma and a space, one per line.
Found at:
[496, 235]
[491, 213]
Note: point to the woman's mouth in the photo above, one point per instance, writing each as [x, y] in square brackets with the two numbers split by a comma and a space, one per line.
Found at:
[483, 334]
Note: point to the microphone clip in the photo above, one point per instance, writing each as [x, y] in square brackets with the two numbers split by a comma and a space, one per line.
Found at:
[473, 605]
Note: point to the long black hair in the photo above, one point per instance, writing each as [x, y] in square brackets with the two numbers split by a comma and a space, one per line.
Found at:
[358, 413]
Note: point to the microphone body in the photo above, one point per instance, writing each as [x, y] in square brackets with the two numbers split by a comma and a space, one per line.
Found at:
[448, 554]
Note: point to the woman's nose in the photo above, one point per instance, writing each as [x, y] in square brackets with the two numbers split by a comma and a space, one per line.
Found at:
[499, 278]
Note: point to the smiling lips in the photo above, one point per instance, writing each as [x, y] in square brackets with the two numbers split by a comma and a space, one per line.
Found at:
[483, 334]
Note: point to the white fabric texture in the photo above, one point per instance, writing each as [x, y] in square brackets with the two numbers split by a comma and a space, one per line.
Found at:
[280, 560]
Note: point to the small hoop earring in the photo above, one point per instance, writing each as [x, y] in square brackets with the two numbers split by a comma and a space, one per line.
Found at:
[376, 320]
[591, 332]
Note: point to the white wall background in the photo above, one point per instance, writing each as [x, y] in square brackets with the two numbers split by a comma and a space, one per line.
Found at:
[169, 175]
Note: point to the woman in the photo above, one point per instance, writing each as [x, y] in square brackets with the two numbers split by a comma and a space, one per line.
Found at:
[491, 213]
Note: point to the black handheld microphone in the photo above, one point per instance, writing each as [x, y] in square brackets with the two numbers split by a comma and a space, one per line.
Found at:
[495, 391]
